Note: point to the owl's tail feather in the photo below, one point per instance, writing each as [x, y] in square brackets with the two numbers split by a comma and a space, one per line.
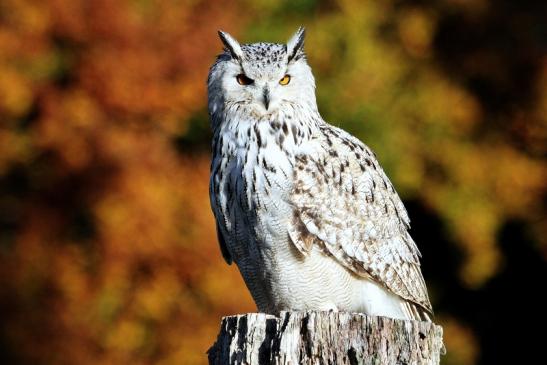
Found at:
[416, 312]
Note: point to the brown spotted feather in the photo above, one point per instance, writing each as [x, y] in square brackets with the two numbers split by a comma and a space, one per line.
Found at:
[344, 202]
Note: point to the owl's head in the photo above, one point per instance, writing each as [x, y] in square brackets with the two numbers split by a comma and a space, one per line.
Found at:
[261, 78]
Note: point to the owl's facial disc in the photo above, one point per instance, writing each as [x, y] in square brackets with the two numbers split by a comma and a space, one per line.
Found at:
[265, 92]
[266, 95]
[262, 79]
[267, 87]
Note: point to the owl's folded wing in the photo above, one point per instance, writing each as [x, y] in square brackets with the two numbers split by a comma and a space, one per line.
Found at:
[344, 203]
[223, 247]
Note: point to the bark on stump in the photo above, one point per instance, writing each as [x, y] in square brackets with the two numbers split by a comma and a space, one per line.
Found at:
[325, 338]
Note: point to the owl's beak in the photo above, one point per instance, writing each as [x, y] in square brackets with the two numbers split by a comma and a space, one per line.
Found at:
[266, 97]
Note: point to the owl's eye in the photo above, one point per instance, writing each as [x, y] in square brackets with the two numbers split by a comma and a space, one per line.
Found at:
[285, 80]
[244, 80]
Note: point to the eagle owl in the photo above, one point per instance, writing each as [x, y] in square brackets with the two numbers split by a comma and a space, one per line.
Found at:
[302, 207]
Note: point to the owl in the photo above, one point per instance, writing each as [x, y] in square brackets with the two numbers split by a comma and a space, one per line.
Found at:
[302, 207]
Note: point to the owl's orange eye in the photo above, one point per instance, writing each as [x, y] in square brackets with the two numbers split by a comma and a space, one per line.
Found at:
[285, 80]
[244, 80]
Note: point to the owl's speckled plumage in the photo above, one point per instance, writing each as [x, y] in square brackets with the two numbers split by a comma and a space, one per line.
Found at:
[302, 207]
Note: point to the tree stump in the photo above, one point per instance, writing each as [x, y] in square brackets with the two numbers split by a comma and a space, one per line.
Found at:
[325, 338]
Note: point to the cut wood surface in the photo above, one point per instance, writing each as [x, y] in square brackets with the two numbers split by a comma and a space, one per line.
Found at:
[325, 338]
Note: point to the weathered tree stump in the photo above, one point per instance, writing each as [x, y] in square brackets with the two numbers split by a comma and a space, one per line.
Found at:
[325, 338]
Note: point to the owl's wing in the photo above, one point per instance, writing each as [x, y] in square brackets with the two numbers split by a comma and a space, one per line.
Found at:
[223, 248]
[344, 202]
[214, 195]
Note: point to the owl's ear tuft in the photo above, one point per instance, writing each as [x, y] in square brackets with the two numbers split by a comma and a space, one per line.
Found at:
[296, 43]
[231, 45]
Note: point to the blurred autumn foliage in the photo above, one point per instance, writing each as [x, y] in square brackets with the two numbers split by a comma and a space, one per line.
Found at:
[108, 253]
